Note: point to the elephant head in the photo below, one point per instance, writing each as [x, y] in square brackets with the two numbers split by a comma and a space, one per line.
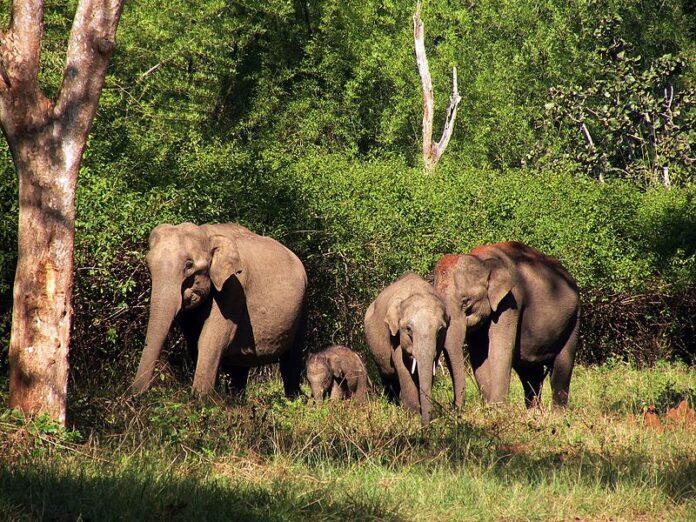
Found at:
[472, 289]
[419, 322]
[319, 375]
[186, 263]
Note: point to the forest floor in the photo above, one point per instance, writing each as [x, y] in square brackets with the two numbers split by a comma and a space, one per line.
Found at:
[621, 451]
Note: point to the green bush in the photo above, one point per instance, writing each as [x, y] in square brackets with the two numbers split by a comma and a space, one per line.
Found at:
[357, 225]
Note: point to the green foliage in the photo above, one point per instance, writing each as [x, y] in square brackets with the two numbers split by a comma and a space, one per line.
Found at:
[357, 225]
[634, 121]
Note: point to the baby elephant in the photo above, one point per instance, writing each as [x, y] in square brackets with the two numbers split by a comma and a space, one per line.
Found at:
[405, 328]
[338, 370]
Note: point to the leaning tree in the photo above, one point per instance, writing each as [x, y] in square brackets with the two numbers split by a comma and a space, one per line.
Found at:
[47, 138]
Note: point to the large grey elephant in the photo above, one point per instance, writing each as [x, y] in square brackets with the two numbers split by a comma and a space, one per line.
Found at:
[516, 308]
[405, 329]
[238, 297]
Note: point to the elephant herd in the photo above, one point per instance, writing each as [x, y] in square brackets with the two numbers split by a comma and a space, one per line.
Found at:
[240, 301]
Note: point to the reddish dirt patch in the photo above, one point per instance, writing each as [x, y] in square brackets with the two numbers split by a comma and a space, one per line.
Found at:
[651, 420]
[683, 414]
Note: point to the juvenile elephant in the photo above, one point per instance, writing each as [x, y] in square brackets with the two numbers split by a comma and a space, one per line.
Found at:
[337, 370]
[516, 308]
[405, 329]
[238, 297]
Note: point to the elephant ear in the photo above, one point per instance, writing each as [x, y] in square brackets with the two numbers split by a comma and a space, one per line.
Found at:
[225, 260]
[501, 281]
[392, 317]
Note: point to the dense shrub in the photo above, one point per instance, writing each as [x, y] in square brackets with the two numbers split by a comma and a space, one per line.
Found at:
[359, 224]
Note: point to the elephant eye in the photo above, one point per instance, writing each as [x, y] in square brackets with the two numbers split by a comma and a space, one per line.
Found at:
[189, 264]
[408, 330]
[466, 303]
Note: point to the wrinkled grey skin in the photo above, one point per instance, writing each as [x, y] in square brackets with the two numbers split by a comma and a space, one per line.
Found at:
[516, 308]
[238, 297]
[338, 371]
[405, 329]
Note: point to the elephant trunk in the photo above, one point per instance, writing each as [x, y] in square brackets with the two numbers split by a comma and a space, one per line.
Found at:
[317, 393]
[425, 358]
[165, 303]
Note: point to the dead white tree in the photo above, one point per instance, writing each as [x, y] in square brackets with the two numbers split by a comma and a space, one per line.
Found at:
[47, 140]
[432, 151]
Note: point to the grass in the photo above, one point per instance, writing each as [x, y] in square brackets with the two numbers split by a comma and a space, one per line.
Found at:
[169, 456]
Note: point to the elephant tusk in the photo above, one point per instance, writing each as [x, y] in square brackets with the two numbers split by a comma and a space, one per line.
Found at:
[413, 366]
[434, 367]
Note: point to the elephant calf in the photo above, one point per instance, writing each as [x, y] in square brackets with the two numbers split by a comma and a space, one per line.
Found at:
[338, 370]
[405, 329]
[517, 309]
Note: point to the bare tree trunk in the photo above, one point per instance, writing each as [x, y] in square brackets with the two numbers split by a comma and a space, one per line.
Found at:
[432, 151]
[43, 286]
[47, 141]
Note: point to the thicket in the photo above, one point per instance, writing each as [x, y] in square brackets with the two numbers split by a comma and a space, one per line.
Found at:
[301, 120]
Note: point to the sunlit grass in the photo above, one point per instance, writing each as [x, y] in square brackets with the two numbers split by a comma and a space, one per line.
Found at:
[167, 455]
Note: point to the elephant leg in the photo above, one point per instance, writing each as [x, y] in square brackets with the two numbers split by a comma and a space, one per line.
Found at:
[360, 391]
[409, 391]
[482, 374]
[455, 364]
[291, 371]
[563, 368]
[477, 345]
[391, 388]
[216, 335]
[291, 362]
[532, 379]
[336, 390]
[239, 376]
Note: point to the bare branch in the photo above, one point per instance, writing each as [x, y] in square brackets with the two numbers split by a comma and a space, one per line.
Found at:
[432, 152]
[665, 177]
[669, 96]
[588, 136]
[91, 43]
[451, 116]
[426, 84]
[590, 143]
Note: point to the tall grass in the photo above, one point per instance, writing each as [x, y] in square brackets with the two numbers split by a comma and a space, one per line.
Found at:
[169, 456]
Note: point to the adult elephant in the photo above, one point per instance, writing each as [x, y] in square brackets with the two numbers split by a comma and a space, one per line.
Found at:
[405, 329]
[516, 308]
[238, 297]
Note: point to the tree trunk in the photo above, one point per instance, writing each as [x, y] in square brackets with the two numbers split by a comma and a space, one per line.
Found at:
[47, 141]
[42, 311]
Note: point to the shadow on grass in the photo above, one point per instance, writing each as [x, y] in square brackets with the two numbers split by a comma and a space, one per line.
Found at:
[51, 494]
[611, 472]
